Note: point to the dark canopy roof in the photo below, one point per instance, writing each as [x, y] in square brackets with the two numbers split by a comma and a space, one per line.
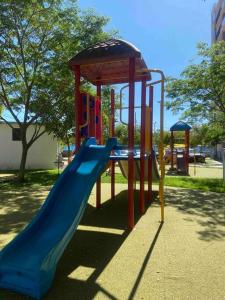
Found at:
[180, 126]
[108, 62]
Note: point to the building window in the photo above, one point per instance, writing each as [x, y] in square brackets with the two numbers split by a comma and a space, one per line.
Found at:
[16, 134]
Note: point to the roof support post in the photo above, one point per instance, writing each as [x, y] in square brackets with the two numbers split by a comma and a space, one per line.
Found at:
[98, 183]
[186, 152]
[77, 107]
[131, 144]
[171, 148]
[112, 134]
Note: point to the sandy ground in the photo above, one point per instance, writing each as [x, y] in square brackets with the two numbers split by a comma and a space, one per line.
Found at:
[181, 259]
[210, 169]
[205, 172]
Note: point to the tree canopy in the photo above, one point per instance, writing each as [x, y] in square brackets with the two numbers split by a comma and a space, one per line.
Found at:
[37, 38]
[206, 135]
[200, 91]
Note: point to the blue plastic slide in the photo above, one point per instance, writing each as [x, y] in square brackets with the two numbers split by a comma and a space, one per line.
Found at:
[28, 263]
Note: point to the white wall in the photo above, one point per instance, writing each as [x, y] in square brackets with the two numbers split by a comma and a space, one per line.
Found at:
[41, 155]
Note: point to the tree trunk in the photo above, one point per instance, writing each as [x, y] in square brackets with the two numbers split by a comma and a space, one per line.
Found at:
[23, 163]
[24, 153]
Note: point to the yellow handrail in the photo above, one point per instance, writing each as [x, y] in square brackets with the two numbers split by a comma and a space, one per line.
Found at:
[161, 145]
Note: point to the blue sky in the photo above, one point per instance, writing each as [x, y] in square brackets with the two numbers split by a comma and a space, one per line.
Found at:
[165, 31]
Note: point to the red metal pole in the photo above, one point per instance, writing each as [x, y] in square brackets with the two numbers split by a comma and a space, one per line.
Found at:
[187, 150]
[150, 158]
[112, 135]
[98, 183]
[131, 144]
[92, 124]
[142, 150]
[171, 149]
[77, 107]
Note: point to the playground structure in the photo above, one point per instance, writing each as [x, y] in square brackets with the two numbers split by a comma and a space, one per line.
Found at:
[118, 62]
[180, 157]
[28, 263]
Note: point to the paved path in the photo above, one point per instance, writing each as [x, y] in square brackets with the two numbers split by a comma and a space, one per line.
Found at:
[181, 259]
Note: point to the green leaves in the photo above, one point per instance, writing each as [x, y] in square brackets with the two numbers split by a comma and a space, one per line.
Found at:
[200, 92]
[37, 38]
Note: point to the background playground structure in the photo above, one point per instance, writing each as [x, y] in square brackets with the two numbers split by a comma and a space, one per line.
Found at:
[180, 156]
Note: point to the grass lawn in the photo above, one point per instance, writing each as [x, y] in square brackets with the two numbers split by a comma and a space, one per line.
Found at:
[36, 178]
[204, 184]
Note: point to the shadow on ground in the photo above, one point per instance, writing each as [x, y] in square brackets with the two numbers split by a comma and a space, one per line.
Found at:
[18, 208]
[207, 209]
[101, 234]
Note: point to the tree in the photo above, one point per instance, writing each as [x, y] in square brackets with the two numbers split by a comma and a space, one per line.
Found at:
[214, 135]
[200, 92]
[60, 122]
[206, 135]
[106, 109]
[198, 134]
[166, 137]
[37, 38]
[121, 131]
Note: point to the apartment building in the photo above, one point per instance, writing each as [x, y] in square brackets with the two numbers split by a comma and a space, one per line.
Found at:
[218, 21]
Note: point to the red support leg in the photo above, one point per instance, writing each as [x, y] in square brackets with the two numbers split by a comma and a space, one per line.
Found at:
[131, 144]
[77, 107]
[187, 151]
[150, 159]
[171, 149]
[142, 150]
[98, 183]
[112, 135]
[112, 180]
